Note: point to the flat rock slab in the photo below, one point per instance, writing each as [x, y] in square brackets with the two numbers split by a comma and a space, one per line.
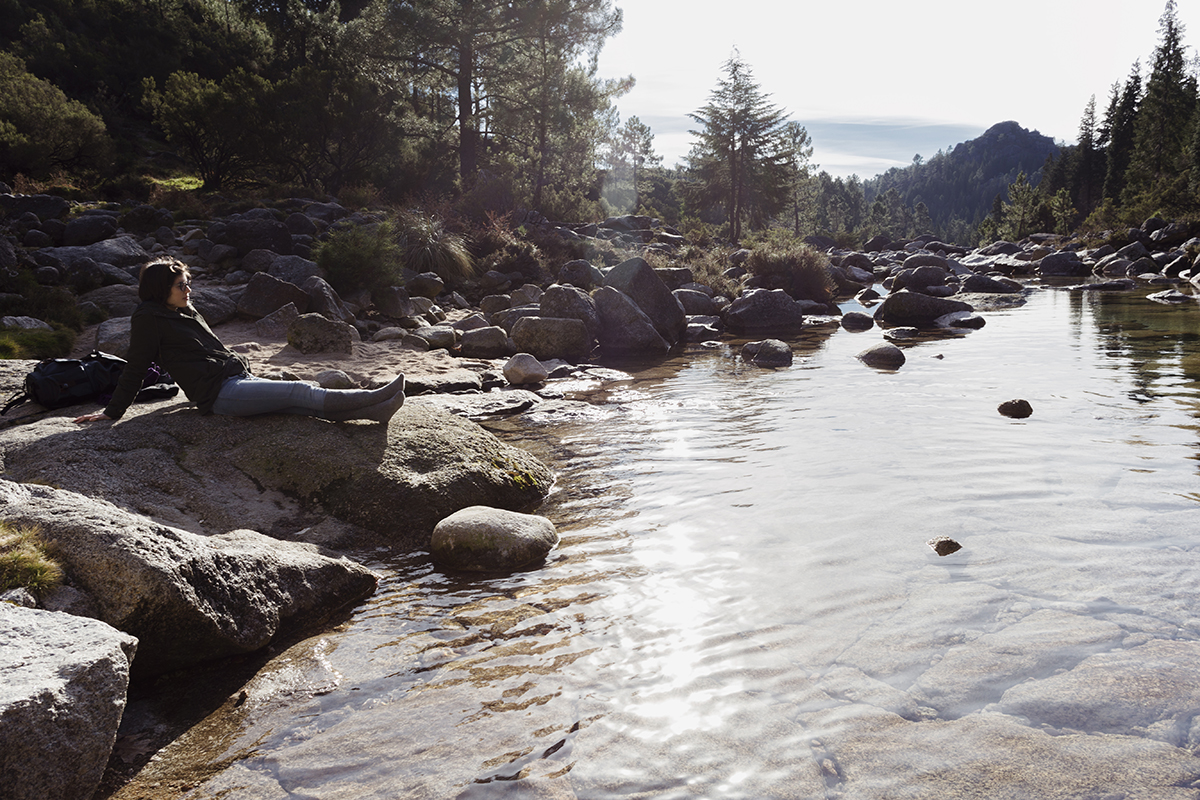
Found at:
[873, 754]
[977, 673]
[1152, 690]
[281, 474]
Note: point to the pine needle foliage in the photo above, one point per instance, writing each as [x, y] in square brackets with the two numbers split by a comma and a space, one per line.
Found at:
[362, 257]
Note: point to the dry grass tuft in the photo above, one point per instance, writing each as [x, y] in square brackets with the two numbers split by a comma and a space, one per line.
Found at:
[26, 561]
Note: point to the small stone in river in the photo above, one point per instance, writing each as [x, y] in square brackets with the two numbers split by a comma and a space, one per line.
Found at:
[884, 355]
[944, 545]
[1017, 409]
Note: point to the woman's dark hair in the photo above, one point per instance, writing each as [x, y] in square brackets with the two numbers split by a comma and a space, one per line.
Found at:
[158, 278]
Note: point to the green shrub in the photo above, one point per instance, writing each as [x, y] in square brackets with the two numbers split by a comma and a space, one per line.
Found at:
[429, 247]
[41, 129]
[516, 256]
[26, 561]
[362, 257]
[491, 237]
[21, 295]
[36, 344]
[708, 267]
[800, 271]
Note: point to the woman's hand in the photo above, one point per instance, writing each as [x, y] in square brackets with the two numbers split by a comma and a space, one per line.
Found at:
[99, 415]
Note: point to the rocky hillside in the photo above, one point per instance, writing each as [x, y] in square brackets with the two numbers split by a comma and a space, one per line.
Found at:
[965, 181]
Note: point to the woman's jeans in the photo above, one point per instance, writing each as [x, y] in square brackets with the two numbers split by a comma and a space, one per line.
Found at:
[246, 395]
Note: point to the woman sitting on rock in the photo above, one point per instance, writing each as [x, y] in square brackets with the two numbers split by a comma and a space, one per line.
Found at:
[167, 330]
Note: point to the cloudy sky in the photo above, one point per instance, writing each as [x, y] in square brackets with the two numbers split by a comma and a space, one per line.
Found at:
[876, 82]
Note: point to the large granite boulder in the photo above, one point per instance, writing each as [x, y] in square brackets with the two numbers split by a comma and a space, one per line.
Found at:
[187, 598]
[294, 269]
[638, 281]
[214, 305]
[89, 229]
[120, 251]
[113, 336]
[625, 328]
[429, 465]
[324, 300]
[313, 333]
[915, 308]
[393, 301]
[580, 273]
[549, 338]
[61, 701]
[571, 302]
[1063, 263]
[482, 539]
[118, 301]
[486, 342]
[336, 484]
[252, 234]
[45, 206]
[764, 310]
[265, 294]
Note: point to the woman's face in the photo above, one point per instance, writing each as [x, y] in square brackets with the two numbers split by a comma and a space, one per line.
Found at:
[181, 290]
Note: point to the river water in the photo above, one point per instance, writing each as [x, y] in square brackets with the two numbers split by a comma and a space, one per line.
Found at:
[744, 605]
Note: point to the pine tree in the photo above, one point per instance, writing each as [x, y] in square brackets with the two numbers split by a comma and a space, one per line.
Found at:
[1087, 175]
[798, 145]
[476, 52]
[1163, 124]
[630, 153]
[1120, 123]
[740, 161]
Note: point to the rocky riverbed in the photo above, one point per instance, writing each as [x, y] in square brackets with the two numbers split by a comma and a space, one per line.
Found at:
[189, 539]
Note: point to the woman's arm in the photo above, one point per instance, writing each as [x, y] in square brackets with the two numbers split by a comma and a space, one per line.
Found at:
[144, 336]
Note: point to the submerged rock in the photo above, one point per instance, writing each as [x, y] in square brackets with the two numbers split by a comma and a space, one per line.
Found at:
[768, 353]
[884, 355]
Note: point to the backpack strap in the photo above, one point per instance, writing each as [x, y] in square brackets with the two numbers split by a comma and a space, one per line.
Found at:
[15, 400]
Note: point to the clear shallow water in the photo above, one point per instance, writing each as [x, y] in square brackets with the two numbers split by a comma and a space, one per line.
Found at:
[743, 603]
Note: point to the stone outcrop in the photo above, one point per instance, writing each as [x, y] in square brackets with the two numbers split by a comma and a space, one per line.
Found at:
[765, 310]
[624, 327]
[61, 700]
[549, 338]
[429, 465]
[187, 598]
[916, 308]
[265, 294]
[638, 281]
[313, 333]
[390, 482]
